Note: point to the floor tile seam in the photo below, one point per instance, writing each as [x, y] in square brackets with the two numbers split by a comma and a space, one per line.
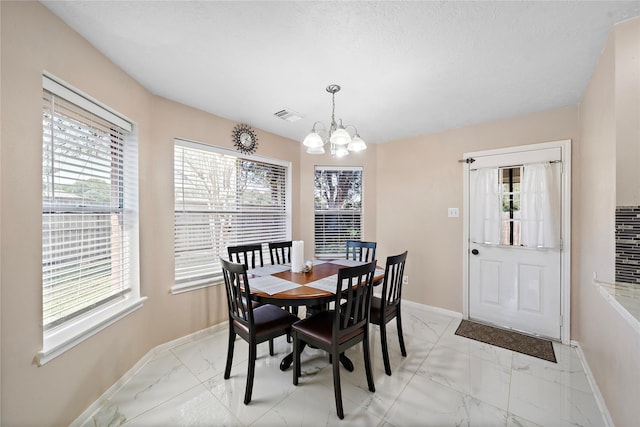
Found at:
[561, 374]
[567, 386]
[204, 383]
[510, 385]
[153, 358]
[493, 364]
[164, 402]
[188, 368]
[566, 400]
[413, 375]
[417, 371]
[384, 417]
[470, 354]
[467, 395]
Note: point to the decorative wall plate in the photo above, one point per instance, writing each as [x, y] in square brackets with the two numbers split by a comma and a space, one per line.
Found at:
[244, 138]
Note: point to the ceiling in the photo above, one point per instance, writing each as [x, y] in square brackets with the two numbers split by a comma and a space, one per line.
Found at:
[406, 68]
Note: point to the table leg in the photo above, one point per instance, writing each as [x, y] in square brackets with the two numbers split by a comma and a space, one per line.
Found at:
[346, 362]
[288, 359]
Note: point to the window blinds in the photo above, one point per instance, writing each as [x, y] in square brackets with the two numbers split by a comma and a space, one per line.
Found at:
[89, 199]
[220, 200]
[338, 208]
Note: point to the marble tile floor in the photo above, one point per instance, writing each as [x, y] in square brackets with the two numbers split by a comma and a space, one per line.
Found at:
[445, 380]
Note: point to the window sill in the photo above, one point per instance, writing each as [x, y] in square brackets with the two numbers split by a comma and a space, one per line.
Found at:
[65, 338]
[624, 298]
[192, 286]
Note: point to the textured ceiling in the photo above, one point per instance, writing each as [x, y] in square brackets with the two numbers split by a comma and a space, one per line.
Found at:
[406, 68]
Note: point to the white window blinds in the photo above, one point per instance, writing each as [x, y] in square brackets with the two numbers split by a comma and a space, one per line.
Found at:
[338, 208]
[89, 206]
[224, 199]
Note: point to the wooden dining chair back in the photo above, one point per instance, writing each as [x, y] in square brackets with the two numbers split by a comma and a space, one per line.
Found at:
[387, 306]
[360, 251]
[247, 255]
[280, 252]
[253, 324]
[336, 330]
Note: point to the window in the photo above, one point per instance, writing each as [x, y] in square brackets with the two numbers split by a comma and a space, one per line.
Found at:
[222, 199]
[89, 216]
[510, 218]
[338, 208]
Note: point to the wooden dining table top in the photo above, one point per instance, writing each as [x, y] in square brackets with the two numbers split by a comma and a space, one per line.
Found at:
[303, 295]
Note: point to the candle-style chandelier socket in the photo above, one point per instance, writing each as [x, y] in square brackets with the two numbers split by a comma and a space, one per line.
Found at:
[338, 138]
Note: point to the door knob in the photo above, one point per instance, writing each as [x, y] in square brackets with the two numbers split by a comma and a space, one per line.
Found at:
[475, 251]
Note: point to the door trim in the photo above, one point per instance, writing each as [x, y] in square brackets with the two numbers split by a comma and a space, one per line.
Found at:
[565, 227]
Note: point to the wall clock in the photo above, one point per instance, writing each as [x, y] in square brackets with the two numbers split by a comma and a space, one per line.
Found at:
[244, 138]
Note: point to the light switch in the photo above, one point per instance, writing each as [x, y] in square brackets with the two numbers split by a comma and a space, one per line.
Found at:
[454, 213]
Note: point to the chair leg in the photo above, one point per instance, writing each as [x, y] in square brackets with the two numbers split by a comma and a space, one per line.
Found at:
[296, 359]
[294, 310]
[230, 345]
[400, 337]
[250, 373]
[336, 387]
[271, 347]
[385, 349]
[367, 364]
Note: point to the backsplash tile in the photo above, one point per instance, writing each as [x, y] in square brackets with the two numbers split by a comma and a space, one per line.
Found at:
[628, 244]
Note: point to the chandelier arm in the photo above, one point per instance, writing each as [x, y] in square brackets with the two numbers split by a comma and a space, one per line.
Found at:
[352, 126]
[324, 128]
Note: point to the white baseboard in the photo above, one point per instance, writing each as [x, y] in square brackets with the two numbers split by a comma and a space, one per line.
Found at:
[594, 386]
[95, 406]
[444, 311]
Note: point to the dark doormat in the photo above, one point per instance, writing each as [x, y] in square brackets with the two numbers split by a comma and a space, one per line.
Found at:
[536, 347]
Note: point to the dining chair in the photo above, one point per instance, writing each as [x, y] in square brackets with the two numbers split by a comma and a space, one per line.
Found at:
[280, 252]
[336, 330]
[254, 325]
[387, 306]
[246, 254]
[360, 251]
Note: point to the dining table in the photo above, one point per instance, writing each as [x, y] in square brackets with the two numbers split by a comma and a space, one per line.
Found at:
[313, 289]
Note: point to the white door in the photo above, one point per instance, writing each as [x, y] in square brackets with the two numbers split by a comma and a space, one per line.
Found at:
[514, 264]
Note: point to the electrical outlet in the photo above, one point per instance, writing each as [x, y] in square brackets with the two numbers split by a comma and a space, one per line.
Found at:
[405, 280]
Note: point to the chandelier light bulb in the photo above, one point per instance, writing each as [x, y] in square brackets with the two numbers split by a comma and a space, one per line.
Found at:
[341, 151]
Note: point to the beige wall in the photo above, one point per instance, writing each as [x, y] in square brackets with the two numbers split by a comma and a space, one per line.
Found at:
[419, 178]
[34, 40]
[627, 113]
[608, 115]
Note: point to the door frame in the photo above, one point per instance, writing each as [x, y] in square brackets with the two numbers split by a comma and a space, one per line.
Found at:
[565, 227]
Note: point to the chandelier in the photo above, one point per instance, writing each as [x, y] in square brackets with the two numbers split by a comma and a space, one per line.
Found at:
[338, 138]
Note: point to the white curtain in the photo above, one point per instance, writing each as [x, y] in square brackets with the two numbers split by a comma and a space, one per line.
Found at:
[540, 205]
[485, 206]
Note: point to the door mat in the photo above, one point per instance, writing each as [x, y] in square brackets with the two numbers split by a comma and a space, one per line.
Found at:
[536, 347]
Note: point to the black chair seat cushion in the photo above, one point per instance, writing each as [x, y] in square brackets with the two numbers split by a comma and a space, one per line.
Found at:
[320, 327]
[268, 319]
[376, 310]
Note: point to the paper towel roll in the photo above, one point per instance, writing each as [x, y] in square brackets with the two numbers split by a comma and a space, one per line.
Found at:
[297, 256]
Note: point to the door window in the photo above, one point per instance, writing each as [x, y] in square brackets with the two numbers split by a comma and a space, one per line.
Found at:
[510, 218]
